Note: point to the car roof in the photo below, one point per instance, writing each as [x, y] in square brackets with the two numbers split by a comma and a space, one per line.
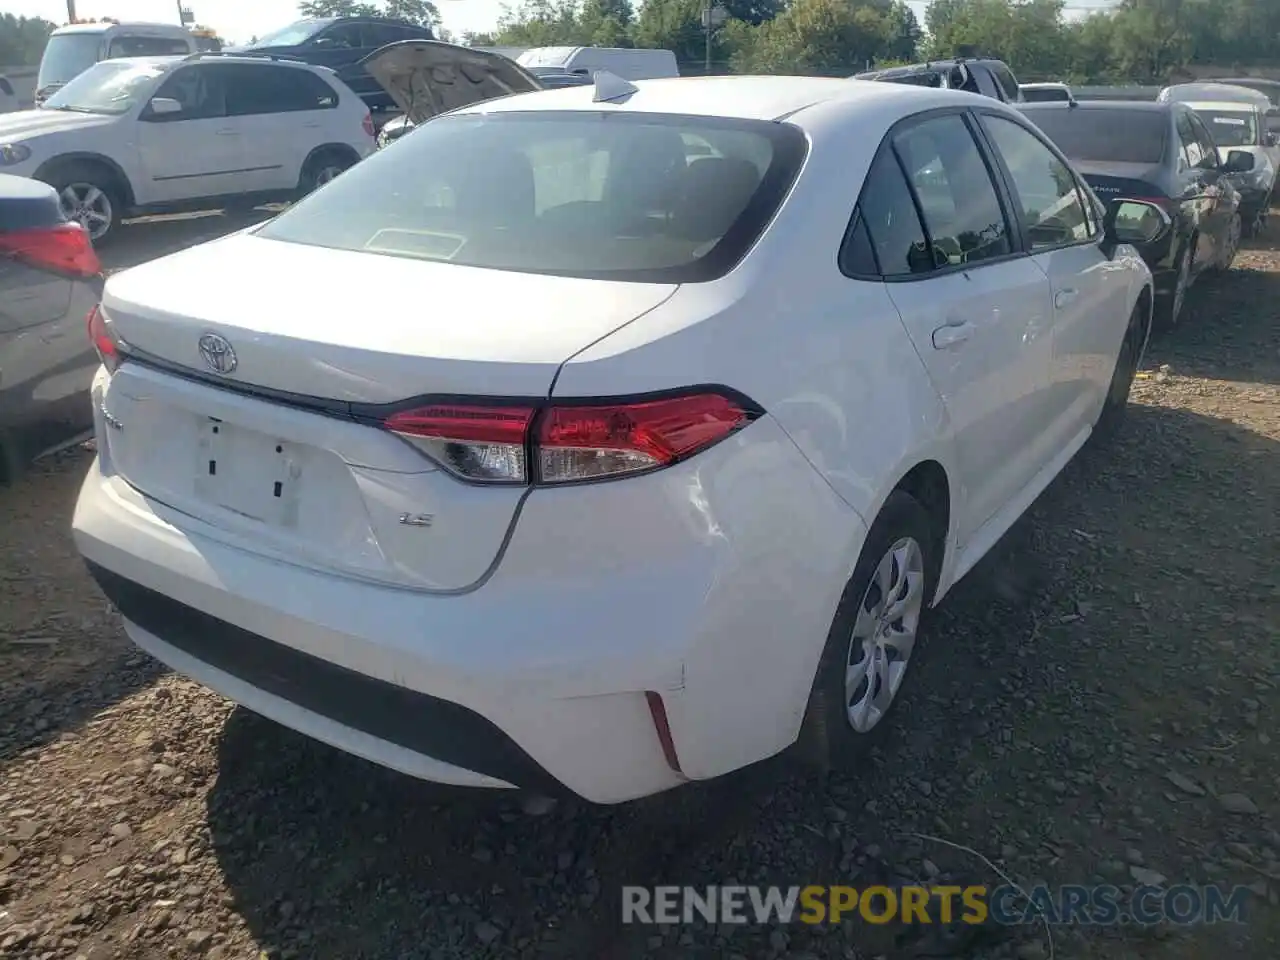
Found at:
[1044, 85]
[102, 26]
[1221, 105]
[736, 97]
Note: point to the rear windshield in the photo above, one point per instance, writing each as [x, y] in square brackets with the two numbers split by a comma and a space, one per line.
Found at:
[1045, 95]
[639, 197]
[1231, 128]
[1106, 136]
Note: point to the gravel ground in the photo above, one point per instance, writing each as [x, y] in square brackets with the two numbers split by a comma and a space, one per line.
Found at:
[1107, 681]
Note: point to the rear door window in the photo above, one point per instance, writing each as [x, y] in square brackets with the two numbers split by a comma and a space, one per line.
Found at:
[961, 208]
[260, 88]
[1191, 149]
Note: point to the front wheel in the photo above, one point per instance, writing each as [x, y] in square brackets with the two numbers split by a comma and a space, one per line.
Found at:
[874, 638]
[89, 197]
[1169, 308]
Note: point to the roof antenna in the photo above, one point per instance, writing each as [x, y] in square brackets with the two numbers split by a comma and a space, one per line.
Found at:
[610, 86]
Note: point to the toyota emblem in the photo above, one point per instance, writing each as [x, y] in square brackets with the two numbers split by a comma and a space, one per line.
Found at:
[217, 353]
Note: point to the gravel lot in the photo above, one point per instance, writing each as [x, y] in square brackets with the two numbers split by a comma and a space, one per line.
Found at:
[1100, 701]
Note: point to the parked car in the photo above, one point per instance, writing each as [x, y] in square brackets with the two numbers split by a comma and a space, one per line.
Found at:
[1242, 126]
[50, 279]
[1045, 92]
[1162, 153]
[1269, 87]
[428, 77]
[74, 48]
[341, 44]
[985, 75]
[412, 536]
[1222, 91]
[626, 62]
[158, 134]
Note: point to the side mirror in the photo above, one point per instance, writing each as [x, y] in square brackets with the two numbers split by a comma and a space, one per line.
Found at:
[394, 131]
[1135, 221]
[1239, 161]
[165, 106]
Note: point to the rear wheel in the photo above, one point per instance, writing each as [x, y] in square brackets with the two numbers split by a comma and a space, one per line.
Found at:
[323, 167]
[874, 638]
[1127, 361]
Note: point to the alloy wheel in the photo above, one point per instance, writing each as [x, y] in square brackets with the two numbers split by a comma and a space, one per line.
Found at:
[884, 634]
[327, 172]
[88, 206]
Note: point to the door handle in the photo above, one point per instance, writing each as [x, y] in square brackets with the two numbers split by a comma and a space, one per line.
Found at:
[1063, 298]
[952, 334]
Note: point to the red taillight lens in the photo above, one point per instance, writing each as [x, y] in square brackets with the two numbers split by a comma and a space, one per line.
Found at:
[367, 122]
[65, 249]
[569, 443]
[475, 442]
[103, 340]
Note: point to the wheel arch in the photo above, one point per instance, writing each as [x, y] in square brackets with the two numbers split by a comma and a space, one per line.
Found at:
[48, 168]
[928, 483]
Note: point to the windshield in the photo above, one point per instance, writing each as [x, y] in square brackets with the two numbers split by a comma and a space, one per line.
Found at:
[111, 87]
[66, 56]
[290, 36]
[1231, 128]
[638, 197]
[1105, 136]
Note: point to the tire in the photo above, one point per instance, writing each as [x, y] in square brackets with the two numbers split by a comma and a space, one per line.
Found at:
[321, 168]
[91, 196]
[1235, 230]
[1169, 309]
[828, 737]
[1127, 361]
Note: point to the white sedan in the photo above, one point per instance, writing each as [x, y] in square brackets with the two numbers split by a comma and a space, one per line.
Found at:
[678, 405]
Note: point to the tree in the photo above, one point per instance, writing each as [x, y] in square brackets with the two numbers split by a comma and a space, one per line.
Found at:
[676, 25]
[539, 23]
[833, 37]
[422, 12]
[22, 39]
[605, 23]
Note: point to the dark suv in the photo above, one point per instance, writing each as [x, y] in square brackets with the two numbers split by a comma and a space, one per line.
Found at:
[984, 75]
[341, 43]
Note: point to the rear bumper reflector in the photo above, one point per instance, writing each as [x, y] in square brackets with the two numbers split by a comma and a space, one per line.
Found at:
[433, 727]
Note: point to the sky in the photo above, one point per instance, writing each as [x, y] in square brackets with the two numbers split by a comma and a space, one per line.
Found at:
[238, 20]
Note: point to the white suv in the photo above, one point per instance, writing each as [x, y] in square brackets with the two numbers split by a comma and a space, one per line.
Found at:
[159, 134]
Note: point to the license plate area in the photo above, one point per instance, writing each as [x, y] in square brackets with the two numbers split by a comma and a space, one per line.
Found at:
[248, 473]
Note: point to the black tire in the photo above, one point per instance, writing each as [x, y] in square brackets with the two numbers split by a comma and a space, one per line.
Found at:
[828, 740]
[320, 167]
[1169, 308]
[1127, 362]
[78, 176]
[1236, 228]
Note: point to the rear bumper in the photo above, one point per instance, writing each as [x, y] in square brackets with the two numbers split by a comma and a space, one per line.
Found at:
[700, 585]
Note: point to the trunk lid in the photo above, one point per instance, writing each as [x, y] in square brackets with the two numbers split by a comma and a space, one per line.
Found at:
[295, 475]
[429, 77]
[1112, 181]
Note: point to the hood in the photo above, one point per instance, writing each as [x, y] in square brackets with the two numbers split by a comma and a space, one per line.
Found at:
[31, 123]
[429, 77]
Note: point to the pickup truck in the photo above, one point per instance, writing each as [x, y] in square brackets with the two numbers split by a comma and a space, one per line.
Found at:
[984, 75]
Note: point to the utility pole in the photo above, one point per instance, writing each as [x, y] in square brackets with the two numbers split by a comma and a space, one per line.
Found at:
[706, 67]
[71, 11]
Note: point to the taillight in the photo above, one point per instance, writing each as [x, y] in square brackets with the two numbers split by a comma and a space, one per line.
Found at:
[104, 341]
[367, 123]
[65, 248]
[571, 442]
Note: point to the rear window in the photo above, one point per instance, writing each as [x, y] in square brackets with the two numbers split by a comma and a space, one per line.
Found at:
[1045, 95]
[1106, 136]
[1231, 128]
[639, 197]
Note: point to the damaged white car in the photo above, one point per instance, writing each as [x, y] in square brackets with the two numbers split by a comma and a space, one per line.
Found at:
[428, 77]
